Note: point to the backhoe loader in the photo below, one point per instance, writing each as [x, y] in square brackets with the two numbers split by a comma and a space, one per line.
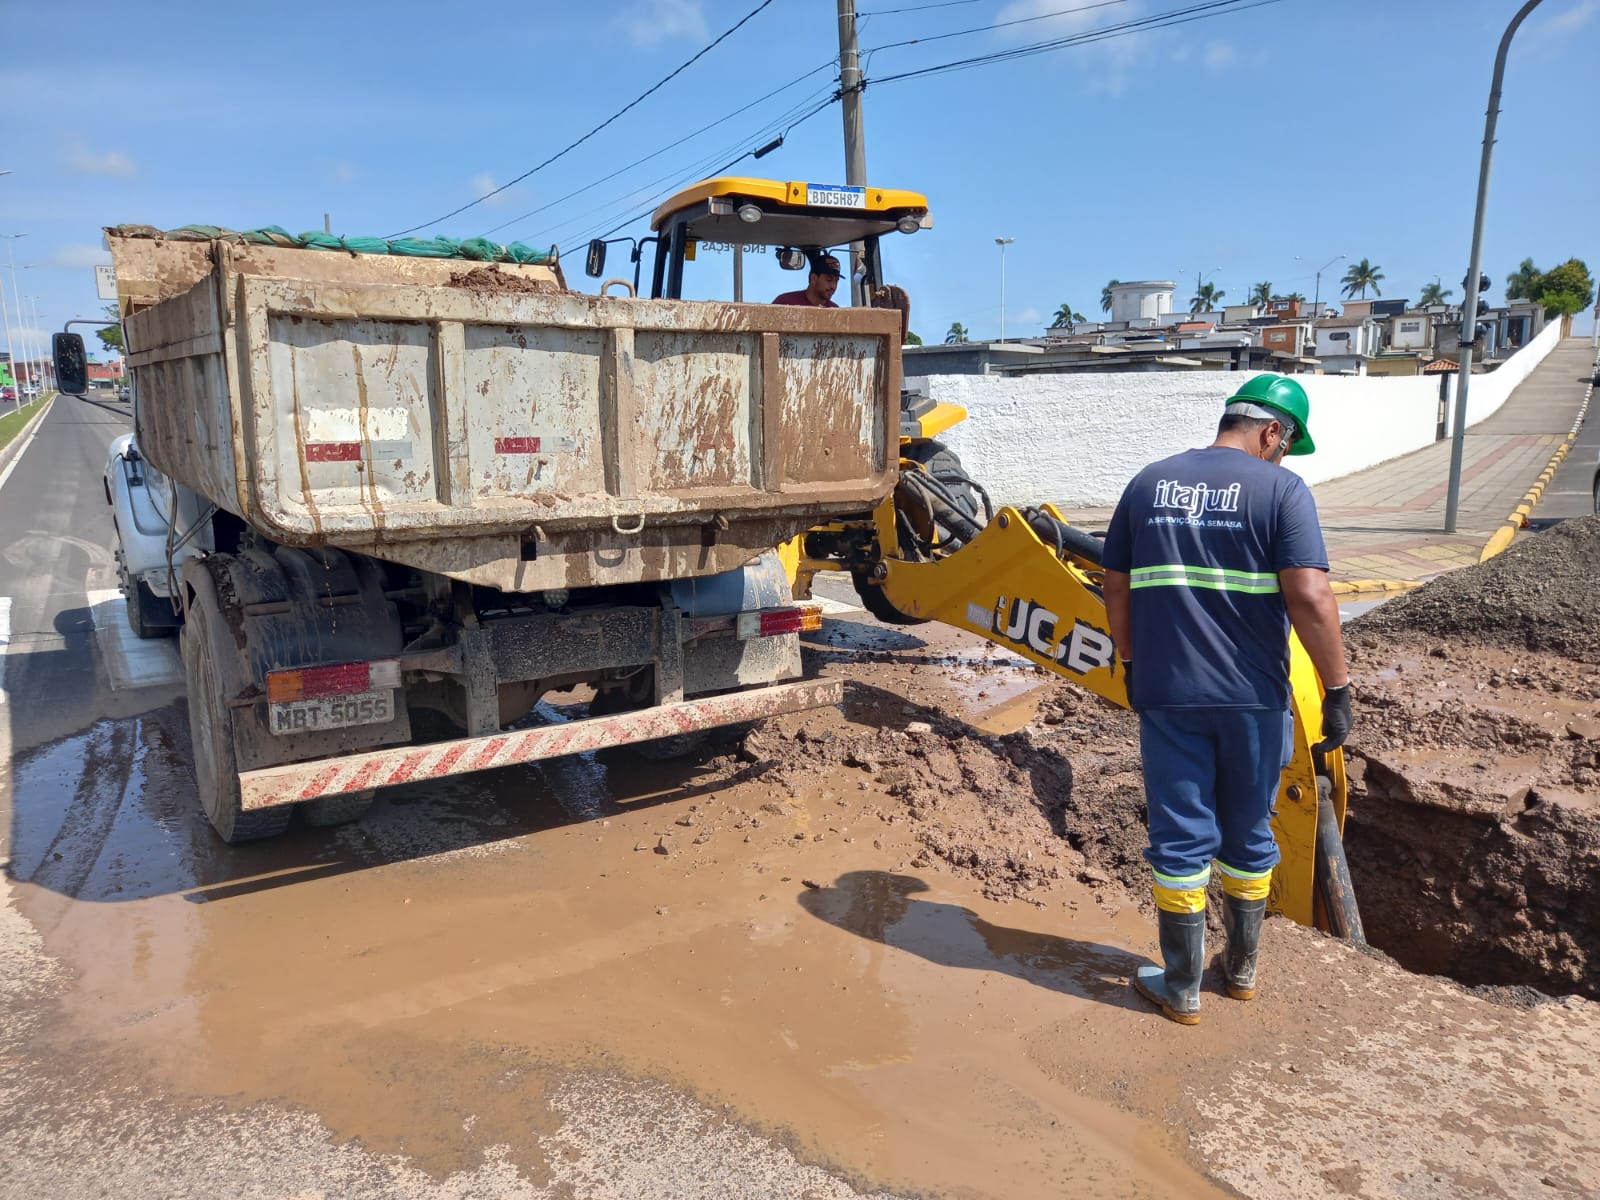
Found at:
[937, 549]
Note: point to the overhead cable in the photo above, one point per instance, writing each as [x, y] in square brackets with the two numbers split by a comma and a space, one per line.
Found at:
[703, 51]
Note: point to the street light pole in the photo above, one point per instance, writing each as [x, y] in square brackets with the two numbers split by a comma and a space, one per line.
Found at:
[16, 307]
[1003, 242]
[1469, 304]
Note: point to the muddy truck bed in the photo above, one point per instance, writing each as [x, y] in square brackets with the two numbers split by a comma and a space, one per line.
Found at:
[485, 423]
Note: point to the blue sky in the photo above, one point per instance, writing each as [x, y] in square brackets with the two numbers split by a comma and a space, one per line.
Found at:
[1227, 146]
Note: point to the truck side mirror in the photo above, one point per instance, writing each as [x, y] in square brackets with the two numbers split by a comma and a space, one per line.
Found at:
[791, 259]
[72, 365]
[594, 264]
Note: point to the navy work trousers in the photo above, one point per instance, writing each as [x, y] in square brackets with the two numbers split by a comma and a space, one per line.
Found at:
[1210, 779]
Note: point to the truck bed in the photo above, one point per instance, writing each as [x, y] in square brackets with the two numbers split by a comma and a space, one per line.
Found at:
[485, 423]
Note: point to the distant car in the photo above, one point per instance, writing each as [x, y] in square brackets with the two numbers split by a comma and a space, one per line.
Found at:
[124, 392]
[30, 389]
[8, 393]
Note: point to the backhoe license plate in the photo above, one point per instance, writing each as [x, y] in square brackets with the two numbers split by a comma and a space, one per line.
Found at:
[832, 195]
[331, 712]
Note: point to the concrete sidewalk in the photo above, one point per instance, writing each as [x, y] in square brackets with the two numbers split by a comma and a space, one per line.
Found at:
[1386, 523]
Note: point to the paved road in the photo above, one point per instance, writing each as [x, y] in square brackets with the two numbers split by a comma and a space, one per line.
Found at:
[1573, 492]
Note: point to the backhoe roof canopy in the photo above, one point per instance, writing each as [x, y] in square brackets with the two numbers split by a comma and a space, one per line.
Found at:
[771, 212]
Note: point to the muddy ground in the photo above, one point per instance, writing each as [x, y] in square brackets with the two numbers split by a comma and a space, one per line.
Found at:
[1474, 823]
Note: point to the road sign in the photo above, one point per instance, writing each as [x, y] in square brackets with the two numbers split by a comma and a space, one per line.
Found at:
[105, 281]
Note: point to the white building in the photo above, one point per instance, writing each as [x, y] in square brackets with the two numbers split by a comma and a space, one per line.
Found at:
[1144, 300]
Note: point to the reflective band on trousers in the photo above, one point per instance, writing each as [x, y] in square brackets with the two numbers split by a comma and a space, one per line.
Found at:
[1216, 579]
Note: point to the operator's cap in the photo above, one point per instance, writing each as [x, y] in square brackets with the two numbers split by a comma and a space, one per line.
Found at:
[826, 264]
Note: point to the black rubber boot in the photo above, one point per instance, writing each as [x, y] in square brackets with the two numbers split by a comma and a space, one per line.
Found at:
[1176, 989]
[1241, 921]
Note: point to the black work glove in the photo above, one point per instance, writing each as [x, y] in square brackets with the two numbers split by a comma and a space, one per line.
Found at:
[1336, 718]
[1127, 677]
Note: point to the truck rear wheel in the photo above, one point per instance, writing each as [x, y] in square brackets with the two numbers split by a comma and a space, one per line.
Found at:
[216, 768]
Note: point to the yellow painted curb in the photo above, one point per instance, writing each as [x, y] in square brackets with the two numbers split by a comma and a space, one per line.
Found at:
[1517, 518]
[1356, 587]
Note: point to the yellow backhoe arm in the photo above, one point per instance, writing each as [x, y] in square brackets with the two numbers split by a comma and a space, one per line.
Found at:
[1040, 599]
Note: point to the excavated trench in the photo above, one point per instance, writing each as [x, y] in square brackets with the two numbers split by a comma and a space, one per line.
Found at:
[1474, 825]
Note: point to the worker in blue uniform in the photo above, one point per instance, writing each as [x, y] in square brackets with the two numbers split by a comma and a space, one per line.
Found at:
[1210, 558]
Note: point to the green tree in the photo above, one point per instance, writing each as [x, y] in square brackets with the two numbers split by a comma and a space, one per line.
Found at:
[111, 335]
[1261, 294]
[1105, 295]
[1065, 316]
[1523, 283]
[1566, 289]
[1360, 277]
[1432, 293]
[955, 334]
[912, 339]
[1205, 298]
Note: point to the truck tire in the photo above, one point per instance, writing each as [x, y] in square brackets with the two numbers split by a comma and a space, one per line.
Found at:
[216, 769]
[327, 811]
[944, 464]
[149, 615]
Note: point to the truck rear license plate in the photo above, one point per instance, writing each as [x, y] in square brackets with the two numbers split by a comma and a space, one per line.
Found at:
[331, 712]
[833, 195]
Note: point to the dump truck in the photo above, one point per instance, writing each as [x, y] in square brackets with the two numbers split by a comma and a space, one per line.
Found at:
[427, 492]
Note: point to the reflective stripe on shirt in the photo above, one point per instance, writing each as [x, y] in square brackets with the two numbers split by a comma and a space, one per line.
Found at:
[1216, 579]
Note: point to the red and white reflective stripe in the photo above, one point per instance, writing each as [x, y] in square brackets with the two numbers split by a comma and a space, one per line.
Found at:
[411, 764]
[333, 452]
[516, 445]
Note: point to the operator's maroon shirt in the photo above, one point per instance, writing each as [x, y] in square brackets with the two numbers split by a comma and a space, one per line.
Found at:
[800, 299]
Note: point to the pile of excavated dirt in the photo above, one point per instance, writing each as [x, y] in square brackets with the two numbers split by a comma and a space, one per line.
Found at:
[489, 279]
[1538, 595]
[1473, 831]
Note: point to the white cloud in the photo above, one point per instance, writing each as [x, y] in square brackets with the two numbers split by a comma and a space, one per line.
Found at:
[79, 254]
[81, 160]
[1220, 56]
[649, 22]
[1576, 17]
[1104, 66]
[1028, 316]
[483, 185]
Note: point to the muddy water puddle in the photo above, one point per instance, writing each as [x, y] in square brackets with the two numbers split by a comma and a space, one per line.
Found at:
[432, 981]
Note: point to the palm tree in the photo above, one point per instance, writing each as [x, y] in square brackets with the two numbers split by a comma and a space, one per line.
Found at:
[1360, 277]
[1065, 316]
[1205, 298]
[1296, 296]
[1261, 294]
[957, 333]
[1105, 295]
[1522, 284]
[1432, 294]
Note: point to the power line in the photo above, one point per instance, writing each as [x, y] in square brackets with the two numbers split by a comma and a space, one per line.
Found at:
[939, 37]
[704, 50]
[889, 12]
[1163, 20]
[658, 153]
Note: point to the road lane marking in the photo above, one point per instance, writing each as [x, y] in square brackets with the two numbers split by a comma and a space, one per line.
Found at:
[131, 662]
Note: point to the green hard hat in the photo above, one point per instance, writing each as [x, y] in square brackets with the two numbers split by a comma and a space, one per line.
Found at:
[1280, 394]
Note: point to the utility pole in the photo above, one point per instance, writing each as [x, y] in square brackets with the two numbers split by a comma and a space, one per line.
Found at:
[1003, 242]
[1469, 304]
[855, 137]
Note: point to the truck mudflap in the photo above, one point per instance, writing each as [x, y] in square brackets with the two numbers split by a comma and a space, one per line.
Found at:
[295, 782]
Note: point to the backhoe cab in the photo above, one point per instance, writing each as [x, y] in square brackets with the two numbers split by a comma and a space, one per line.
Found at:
[796, 220]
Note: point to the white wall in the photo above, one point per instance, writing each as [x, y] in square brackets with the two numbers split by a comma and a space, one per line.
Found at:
[1489, 392]
[1077, 439]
